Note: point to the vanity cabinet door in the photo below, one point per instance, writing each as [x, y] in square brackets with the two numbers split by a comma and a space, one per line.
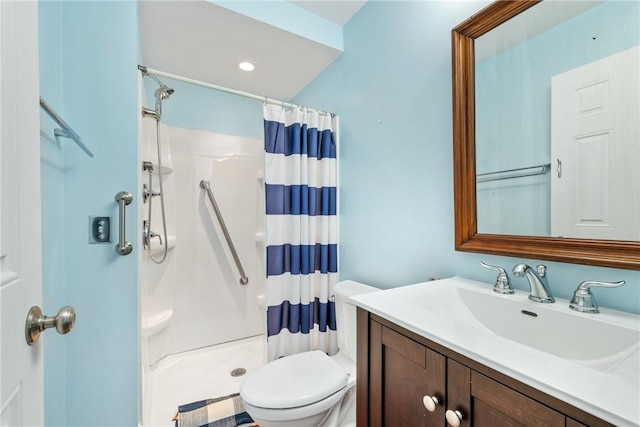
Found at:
[402, 373]
[491, 404]
[396, 372]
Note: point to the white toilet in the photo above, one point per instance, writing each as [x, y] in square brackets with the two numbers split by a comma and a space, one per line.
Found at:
[310, 389]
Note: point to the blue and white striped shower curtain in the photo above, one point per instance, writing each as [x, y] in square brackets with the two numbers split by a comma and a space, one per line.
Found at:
[301, 230]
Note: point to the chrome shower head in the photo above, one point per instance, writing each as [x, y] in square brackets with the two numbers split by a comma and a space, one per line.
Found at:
[163, 92]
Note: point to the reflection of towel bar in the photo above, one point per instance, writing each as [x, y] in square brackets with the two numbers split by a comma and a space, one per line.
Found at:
[66, 130]
[513, 173]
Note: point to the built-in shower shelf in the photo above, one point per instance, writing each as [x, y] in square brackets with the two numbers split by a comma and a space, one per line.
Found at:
[155, 323]
[165, 169]
[260, 176]
[158, 250]
[259, 236]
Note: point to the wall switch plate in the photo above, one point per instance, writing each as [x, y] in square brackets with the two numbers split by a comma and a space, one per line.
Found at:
[99, 229]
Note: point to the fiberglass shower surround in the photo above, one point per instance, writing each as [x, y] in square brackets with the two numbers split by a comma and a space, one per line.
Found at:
[198, 282]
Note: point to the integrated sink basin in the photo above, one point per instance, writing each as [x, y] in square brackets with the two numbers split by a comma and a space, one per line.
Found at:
[603, 341]
[591, 361]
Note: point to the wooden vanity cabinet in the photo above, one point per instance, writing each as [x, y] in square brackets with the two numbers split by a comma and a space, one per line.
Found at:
[396, 369]
[402, 373]
[490, 403]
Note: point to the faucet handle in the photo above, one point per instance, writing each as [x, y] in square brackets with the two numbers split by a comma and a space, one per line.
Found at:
[542, 270]
[592, 283]
[584, 301]
[503, 284]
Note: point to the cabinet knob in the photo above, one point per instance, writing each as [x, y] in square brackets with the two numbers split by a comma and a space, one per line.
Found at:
[453, 418]
[430, 402]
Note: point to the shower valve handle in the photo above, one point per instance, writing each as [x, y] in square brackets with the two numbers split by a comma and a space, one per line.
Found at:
[147, 235]
[153, 234]
[147, 194]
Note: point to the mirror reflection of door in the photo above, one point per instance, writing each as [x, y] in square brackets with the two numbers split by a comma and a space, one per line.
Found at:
[595, 149]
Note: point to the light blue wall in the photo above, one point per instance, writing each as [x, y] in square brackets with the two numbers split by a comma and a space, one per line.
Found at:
[88, 71]
[392, 90]
[195, 107]
[53, 222]
[513, 120]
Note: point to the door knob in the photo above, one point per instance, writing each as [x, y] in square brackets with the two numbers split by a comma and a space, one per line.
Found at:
[37, 322]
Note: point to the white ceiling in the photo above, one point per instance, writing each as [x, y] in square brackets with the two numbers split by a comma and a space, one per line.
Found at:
[205, 41]
[335, 11]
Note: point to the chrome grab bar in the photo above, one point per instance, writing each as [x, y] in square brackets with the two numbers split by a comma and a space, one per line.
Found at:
[123, 247]
[206, 186]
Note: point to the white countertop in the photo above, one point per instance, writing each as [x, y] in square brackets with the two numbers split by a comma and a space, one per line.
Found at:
[613, 396]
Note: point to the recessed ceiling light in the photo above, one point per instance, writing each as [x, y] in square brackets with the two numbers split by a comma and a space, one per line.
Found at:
[246, 66]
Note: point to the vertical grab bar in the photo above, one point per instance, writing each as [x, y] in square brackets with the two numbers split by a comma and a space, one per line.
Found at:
[243, 277]
[123, 247]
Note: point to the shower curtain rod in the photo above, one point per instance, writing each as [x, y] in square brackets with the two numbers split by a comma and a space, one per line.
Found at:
[158, 73]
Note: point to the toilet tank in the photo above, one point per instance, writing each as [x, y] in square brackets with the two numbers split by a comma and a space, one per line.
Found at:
[346, 314]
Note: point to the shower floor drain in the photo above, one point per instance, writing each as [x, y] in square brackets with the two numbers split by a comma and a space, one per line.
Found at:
[238, 372]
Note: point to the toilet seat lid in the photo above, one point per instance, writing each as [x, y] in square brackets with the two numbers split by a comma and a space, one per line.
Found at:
[293, 381]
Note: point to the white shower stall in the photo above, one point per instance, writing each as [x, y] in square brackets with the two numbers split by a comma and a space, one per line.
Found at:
[198, 322]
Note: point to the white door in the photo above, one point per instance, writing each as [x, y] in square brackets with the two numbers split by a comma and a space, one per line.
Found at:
[21, 375]
[595, 149]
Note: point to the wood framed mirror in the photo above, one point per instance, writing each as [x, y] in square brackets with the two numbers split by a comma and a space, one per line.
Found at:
[605, 253]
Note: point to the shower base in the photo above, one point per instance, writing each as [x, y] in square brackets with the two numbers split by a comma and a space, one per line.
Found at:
[200, 374]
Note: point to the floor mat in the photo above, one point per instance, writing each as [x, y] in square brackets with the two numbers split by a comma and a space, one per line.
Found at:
[226, 411]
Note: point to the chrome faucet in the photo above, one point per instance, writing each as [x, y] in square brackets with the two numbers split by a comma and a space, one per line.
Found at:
[538, 282]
